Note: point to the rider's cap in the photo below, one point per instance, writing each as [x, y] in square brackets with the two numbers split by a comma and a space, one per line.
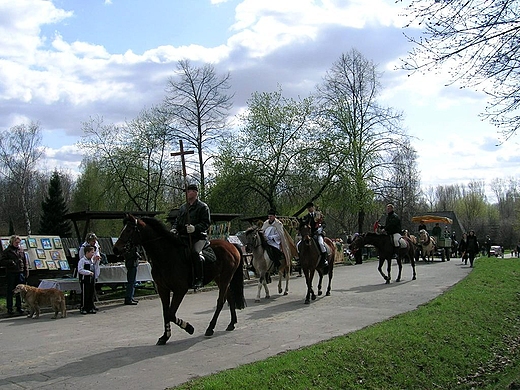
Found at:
[310, 204]
[192, 187]
[271, 212]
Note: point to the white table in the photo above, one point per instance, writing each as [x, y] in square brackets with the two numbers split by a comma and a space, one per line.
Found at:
[63, 284]
[117, 273]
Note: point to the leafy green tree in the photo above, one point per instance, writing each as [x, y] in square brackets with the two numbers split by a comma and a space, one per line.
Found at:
[260, 162]
[54, 207]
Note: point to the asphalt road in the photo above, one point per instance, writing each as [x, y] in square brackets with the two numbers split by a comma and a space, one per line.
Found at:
[115, 348]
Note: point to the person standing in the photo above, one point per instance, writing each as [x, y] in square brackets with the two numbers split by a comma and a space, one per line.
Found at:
[488, 245]
[422, 226]
[437, 232]
[274, 235]
[88, 270]
[463, 248]
[473, 247]
[92, 240]
[132, 257]
[17, 272]
[316, 221]
[192, 224]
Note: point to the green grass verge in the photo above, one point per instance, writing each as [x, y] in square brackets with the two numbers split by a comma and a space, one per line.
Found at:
[467, 338]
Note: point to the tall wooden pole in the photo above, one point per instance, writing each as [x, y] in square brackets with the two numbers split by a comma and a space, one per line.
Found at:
[182, 153]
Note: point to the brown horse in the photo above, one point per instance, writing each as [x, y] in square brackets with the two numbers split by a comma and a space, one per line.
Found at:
[172, 270]
[309, 254]
[385, 248]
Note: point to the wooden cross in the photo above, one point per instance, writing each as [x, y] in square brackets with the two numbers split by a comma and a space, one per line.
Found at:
[182, 153]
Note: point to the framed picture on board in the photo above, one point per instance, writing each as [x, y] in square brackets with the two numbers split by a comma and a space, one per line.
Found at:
[23, 244]
[64, 265]
[28, 260]
[51, 264]
[55, 255]
[57, 243]
[32, 242]
[5, 243]
[40, 253]
[38, 264]
[46, 243]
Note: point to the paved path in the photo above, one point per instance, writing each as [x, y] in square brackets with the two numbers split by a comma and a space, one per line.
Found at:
[115, 349]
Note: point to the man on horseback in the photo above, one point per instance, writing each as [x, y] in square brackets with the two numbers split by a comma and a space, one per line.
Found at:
[315, 220]
[393, 226]
[275, 237]
[192, 224]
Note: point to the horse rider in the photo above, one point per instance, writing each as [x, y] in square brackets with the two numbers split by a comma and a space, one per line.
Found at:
[393, 225]
[315, 220]
[274, 234]
[192, 224]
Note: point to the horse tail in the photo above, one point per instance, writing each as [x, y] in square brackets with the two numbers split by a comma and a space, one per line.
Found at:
[236, 286]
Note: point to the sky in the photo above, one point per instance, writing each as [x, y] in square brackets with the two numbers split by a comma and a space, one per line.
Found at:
[65, 61]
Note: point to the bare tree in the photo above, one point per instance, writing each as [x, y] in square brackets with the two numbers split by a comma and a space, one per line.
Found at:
[478, 41]
[199, 105]
[366, 135]
[20, 151]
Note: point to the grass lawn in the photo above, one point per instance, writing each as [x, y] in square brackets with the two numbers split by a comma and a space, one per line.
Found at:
[465, 339]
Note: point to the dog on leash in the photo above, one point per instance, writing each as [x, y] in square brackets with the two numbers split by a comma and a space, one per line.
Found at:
[38, 297]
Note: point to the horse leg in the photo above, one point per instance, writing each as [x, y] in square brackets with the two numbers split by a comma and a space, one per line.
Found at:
[320, 280]
[308, 281]
[222, 293]
[412, 260]
[400, 266]
[380, 269]
[330, 282]
[285, 275]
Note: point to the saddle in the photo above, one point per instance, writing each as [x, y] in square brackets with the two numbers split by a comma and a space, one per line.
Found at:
[209, 254]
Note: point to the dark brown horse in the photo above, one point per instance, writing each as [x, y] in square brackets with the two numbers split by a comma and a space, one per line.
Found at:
[309, 255]
[172, 271]
[385, 249]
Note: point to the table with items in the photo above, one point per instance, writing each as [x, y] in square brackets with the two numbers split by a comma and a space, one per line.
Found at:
[108, 274]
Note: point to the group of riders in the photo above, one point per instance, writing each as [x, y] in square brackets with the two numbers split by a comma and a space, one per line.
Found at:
[193, 221]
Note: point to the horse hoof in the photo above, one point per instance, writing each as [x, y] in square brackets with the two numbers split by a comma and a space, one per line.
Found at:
[387, 282]
[285, 293]
[267, 297]
[313, 297]
[161, 341]
[257, 300]
[307, 302]
[398, 280]
[190, 329]
[280, 291]
[328, 294]
[209, 332]
[230, 328]
[319, 293]
[414, 278]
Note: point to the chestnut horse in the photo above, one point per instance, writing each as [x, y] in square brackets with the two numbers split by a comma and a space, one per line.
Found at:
[310, 258]
[385, 248]
[172, 270]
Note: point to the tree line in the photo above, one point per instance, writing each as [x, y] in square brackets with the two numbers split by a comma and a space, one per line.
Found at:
[337, 147]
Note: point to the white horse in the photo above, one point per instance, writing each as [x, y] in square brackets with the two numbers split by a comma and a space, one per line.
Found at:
[428, 244]
[264, 266]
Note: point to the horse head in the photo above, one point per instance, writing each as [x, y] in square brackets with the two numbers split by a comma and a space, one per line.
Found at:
[357, 243]
[252, 239]
[128, 236]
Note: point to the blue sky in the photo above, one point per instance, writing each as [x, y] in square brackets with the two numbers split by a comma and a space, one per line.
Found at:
[65, 61]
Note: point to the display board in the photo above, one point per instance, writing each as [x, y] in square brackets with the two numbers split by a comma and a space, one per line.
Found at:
[42, 252]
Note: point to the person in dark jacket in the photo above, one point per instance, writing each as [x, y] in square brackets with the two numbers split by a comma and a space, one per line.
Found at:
[463, 247]
[472, 246]
[17, 271]
[132, 257]
[393, 225]
[316, 222]
[192, 224]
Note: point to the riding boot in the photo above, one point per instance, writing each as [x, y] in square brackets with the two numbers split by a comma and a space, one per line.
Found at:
[198, 271]
[323, 260]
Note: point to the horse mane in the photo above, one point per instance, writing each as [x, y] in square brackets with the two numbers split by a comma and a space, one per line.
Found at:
[255, 229]
[158, 226]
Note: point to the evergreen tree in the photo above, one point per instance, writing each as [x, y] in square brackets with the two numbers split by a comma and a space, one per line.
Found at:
[54, 208]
